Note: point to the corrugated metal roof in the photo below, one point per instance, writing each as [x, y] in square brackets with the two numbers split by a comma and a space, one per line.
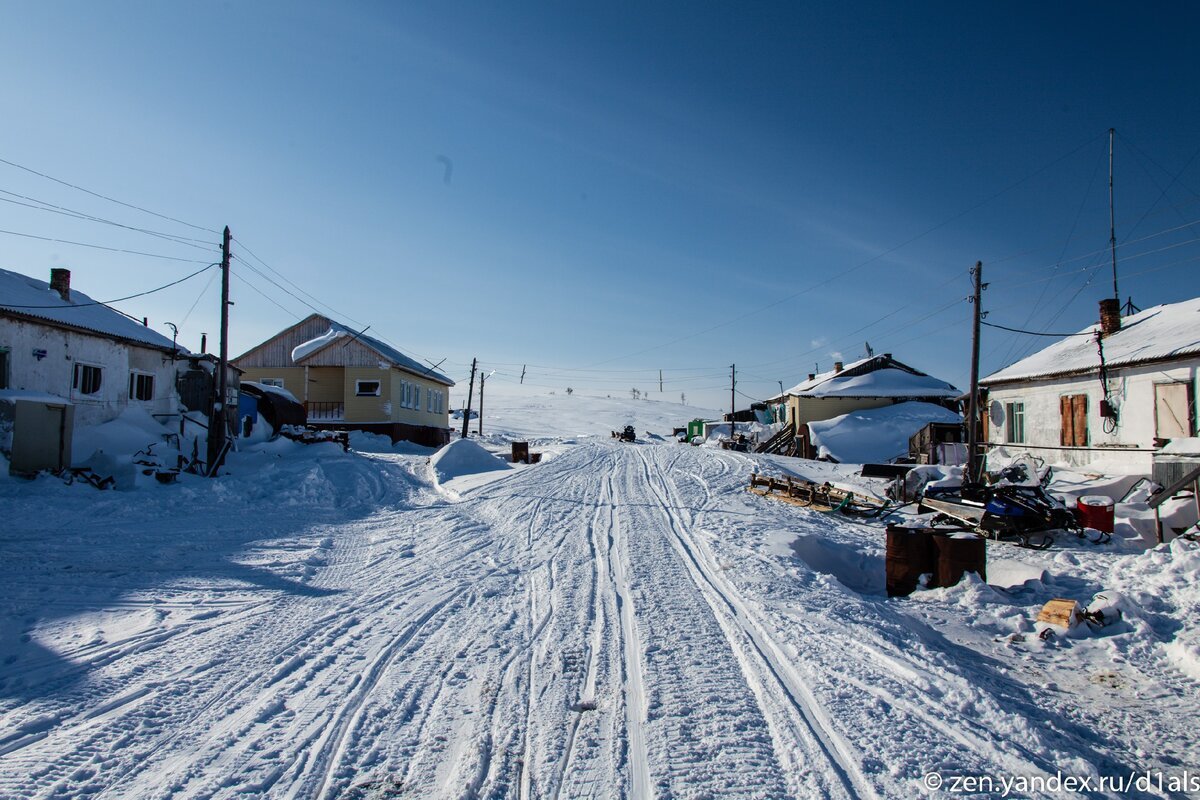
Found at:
[1158, 333]
[29, 297]
[337, 331]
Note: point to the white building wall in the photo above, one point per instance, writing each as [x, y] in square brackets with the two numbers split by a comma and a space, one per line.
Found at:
[54, 371]
[1131, 390]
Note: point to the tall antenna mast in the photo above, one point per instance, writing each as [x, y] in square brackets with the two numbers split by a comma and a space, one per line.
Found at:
[1112, 225]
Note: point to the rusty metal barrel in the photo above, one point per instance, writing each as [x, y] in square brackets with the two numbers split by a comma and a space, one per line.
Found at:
[958, 554]
[910, 555]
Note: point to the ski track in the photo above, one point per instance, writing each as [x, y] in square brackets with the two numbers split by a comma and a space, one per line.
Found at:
[569, 631]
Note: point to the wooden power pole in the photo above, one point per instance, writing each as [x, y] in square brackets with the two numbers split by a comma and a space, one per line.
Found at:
[482, 381]
[732, 401]
[217, 423]
[974, 462]
[470, 392]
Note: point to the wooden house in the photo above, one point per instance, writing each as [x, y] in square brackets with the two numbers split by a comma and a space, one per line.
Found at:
[353, 381]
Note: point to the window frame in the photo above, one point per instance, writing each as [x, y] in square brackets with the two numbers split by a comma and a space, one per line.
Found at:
[358, 387]
[276, 382]
[136, 381]
[78, 381]
[1014, 427]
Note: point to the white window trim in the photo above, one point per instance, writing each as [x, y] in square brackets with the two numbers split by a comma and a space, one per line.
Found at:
[276, 382]
[75, 372]
[358, 392]
[133, 375]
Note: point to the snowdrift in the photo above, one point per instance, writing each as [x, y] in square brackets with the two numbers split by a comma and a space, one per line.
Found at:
[875, 434]
[463, 457]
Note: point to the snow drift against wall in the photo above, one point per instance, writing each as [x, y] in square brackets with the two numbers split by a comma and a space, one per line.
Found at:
[876, 434]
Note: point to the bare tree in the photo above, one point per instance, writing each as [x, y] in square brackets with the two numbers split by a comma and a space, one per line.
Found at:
[682, 398]
[635, 393]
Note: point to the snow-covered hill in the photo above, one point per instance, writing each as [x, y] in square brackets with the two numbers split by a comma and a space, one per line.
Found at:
[536, 414]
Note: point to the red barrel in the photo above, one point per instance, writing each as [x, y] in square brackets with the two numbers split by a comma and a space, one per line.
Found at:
[1096, 511]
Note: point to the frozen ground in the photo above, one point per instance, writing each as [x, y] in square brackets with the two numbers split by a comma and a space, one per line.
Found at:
[618, 621]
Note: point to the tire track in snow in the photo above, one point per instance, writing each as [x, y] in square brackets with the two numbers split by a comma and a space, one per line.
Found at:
[634, 688]
[762, 659]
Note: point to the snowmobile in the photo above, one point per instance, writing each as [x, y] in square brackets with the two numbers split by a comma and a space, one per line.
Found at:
[627, 435]
[1030, 514]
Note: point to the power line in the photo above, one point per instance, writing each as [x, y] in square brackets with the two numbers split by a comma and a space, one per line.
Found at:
[838, 275]
[102, 247]
[106, 197]
[119, 299]
[1034, 333]
[51, 208]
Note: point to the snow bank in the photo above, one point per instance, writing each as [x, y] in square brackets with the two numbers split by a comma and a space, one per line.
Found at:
[463, 457]
[119, 438]
[875, 434]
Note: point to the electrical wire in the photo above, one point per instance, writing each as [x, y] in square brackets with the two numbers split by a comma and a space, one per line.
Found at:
[119, 299]
[103, 247]
[42, 205]
[106, 197]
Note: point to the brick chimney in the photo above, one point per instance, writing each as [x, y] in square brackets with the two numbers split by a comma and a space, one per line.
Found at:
[60, 281]
[837, 366]
[1110, 316]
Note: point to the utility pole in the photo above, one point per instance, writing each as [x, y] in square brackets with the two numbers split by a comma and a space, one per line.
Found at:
[974, 471]
[660, 381]
[732, 401]
[1112, 224]
[470, 391]
[522, 373]
[482, 381]
[217, 423]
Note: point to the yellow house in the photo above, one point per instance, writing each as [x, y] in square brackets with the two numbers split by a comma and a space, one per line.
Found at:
[351, 381]
[872, 382]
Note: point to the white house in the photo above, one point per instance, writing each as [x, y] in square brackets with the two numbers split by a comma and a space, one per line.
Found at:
[61, 342]
[1107, 396]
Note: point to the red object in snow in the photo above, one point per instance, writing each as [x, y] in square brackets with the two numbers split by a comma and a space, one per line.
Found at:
[1096, 511]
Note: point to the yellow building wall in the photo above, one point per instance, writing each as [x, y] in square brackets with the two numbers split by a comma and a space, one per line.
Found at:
[803, 410]
[420, 415]
[326, 385]
[293, 378]
[368, 409]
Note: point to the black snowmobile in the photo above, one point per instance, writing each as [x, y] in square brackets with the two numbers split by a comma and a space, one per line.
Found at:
[1029, 514]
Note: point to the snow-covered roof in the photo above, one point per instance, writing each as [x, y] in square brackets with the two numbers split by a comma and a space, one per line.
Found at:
[338, 331]
[21, 294]
[1158, 333]
[877, 376]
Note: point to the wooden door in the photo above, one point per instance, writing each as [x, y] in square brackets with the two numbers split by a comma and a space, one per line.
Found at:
[1173, 410]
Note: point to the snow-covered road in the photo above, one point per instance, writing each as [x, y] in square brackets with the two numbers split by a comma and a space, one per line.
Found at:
[611, 623]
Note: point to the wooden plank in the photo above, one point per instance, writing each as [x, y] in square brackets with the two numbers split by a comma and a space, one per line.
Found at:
[1079, 412]
[1061, 612]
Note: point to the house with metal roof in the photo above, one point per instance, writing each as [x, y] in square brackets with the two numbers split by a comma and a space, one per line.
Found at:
[57, 341]
[1109, 395]
[875, 382]
[348, 380]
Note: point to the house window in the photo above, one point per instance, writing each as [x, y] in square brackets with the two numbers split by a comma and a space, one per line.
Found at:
[1015, 434]
[416, 399]
[366, 388]
[3, 367]
[87, 379]
[1073, 410]
[141, 386]
[277, 382]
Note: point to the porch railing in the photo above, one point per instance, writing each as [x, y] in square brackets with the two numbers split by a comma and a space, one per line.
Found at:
[325, 411]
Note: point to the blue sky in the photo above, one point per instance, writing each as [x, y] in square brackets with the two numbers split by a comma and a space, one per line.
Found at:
[608, 191]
